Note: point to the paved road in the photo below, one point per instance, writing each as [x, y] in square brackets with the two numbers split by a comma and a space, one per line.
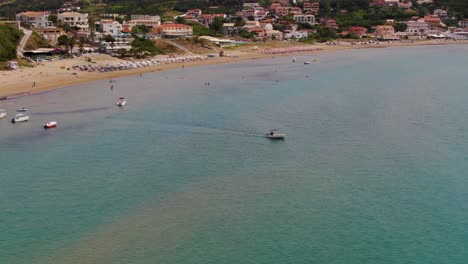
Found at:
[24, 40]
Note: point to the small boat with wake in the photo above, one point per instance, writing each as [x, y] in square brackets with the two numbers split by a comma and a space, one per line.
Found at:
[2, 114]
[121, 101]
[307, 63]
[51, 124]
[294, 59]
[19, 118]
[273, 134]
[22, 109]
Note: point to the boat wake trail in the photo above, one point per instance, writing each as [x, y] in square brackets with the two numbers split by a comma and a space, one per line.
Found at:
[77, 111]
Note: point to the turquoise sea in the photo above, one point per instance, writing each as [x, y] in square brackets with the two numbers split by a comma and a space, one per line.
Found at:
[374, 168]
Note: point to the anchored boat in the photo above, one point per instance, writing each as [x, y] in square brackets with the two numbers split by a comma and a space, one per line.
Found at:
[273, 134]
[51, 124]
[121, 101]
[20, 118]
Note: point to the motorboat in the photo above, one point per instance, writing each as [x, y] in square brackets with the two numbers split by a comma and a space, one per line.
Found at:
[307, 62]
[294, 59]
[272, 134]
[20, 118]
[22, 109]
[121, 101]
[3, 115]
[51, 124]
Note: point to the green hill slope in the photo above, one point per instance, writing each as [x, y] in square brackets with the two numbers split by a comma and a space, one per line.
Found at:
[9, 40]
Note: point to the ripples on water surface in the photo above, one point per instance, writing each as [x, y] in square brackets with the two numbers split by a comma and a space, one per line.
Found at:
[373, 169]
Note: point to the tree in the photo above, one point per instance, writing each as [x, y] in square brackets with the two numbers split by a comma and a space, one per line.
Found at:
[81, 44]
[63, 40]
[66, 27]
[109, 38]
[92, 36]
[217, 24]
[141, 29]
[181, 20]
[265, 3]
[53, 18]
[400, 27]
[71, 44]
[251, 18]
[92, 24]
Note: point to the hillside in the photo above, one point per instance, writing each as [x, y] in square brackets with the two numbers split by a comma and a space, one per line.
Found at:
[9, 7]
[9, 40]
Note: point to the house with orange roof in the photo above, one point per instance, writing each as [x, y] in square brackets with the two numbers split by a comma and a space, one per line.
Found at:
[34, 19]
[433, 21]
[358, 31]
[384, 31]
[75, 19]
[207, 19]
[311, 7]
[51, 34]
[173, 30]
[258, 31]
[194, 12]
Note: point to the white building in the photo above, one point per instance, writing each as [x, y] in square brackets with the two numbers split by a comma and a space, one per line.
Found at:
[75, 19]
[34, 19]
[440, 13]
[149, 21]
[109, 16]
[305, 19]
[417, 28]
[296, 35]
[251, 5]
[145, 17]
[109, 27]
[174, 30]
[115, 46]
[463, 23]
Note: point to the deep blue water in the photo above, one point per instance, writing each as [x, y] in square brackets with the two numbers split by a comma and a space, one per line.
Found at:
[374, 168]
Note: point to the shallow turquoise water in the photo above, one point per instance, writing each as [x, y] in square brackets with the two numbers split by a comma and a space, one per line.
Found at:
[374, 168]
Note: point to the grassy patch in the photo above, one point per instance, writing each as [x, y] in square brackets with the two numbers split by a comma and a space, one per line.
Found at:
[35, 42]
[9, 40]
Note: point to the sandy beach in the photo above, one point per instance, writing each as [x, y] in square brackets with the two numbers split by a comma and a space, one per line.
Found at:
[56, 74]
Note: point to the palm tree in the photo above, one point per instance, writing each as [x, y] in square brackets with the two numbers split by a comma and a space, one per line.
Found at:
[71, 44]
[81, 45]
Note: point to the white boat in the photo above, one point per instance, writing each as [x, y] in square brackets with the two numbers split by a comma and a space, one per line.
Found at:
[20, 118]
[294, 59]
[3, 115]
[272, 134]
[51, 124]
[22, 109]
[121, 101]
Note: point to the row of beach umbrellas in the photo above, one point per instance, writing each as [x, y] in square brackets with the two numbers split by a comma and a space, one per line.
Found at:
[125, 65]
[288, 50]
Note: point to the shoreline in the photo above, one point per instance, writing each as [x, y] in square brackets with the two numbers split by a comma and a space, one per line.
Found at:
[56, 76]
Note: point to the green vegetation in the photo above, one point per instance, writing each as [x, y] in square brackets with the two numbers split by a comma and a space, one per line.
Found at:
[141, 29]
[69, 43]
[35, 41]
[142, 47]
[9, 40]
[200, 30]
